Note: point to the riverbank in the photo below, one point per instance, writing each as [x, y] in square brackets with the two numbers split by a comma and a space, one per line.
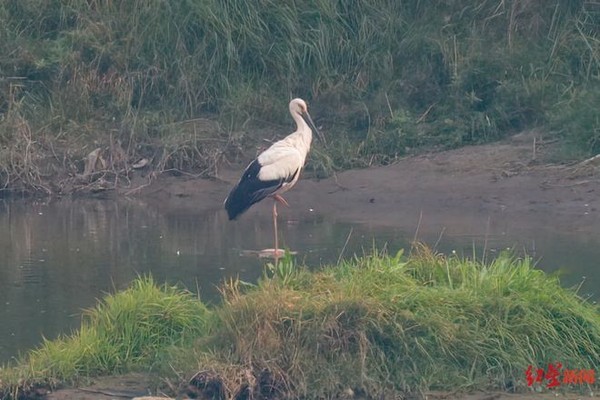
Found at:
[92, 95]
[483, 184]
[108, 388]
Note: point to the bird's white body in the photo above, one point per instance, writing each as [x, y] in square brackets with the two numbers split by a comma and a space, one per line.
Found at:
[277, 169]
[286, 156]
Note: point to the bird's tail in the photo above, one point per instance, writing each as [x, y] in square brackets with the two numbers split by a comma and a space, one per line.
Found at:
[236, 203]
[249, 190]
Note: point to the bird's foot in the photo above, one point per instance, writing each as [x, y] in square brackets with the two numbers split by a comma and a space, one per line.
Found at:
[272, 253]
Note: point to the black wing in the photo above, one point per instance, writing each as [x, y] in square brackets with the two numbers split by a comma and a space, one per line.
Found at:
[251, 190]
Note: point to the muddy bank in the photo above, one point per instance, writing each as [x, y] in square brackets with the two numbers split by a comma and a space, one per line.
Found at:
[138, 386]
[484, 185]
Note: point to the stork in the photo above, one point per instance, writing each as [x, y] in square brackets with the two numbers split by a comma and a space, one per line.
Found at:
[276, 170]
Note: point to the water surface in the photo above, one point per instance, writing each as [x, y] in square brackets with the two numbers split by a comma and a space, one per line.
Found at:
[57, 258]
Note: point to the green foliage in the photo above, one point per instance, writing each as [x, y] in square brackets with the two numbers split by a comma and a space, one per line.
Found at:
[124, 331]
[284, 271]
[577, 119]
[381, 324]
[388, 76]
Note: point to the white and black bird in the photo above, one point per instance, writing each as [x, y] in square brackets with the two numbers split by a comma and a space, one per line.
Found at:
[276, 170]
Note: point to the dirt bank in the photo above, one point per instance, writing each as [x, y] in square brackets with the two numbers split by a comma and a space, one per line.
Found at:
[483, 185]
[136, 386]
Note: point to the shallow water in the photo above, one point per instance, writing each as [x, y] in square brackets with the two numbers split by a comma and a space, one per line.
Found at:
[57, 258]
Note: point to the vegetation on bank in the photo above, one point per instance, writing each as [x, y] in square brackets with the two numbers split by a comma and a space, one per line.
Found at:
[375, 325]
[93, 92]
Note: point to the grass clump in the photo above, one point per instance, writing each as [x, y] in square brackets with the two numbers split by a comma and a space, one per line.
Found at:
[382, 325]
[125, 331]
[375, 326]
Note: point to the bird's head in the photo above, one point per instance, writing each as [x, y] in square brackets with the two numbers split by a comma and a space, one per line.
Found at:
[299, 107]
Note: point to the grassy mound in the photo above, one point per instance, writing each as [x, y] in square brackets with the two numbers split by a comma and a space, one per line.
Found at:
[376, 325]
[380, 324]
[137, 80]
[125, 331]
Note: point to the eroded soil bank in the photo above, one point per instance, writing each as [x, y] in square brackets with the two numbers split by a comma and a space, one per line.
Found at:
[479, 183]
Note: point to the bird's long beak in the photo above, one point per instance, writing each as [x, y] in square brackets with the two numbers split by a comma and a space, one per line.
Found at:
[309, 121]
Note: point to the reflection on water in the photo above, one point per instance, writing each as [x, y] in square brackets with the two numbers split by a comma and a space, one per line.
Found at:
[58, 258]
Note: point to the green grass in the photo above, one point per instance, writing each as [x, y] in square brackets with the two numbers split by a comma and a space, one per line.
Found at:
[125, 331]
[384, 78]
[377, 325]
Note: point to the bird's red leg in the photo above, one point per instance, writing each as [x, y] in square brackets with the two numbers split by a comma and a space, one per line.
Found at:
[276, 249]
[281, 200]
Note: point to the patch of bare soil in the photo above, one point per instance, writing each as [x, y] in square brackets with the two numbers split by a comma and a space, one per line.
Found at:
[105, 388]
[138, 387]
[472, 189]
[510, 396]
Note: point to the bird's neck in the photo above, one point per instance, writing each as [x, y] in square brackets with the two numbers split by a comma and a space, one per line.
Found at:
[303, 130]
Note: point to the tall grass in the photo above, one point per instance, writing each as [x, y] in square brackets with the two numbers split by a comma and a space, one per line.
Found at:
[377, 326]
[387, 76]
[381, 324]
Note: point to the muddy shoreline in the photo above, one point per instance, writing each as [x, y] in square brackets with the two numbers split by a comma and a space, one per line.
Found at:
[484, 185]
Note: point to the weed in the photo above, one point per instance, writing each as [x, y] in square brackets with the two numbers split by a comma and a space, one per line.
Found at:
[285, 271]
